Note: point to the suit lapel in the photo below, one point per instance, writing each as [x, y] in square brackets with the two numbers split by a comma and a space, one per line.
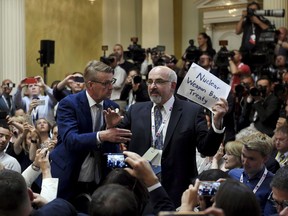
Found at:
[174, 118]
[84, 107]
[147, 124]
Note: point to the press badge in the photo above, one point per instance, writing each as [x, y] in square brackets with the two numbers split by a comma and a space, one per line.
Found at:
[154, 156]
[150, 154]
[252, 39]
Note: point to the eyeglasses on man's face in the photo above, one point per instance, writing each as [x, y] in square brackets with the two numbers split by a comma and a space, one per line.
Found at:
[157, 82]
[276, 203]
[106, 83]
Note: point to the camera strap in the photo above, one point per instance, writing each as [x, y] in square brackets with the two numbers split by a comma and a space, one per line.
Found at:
[252, 39]
[259, 182]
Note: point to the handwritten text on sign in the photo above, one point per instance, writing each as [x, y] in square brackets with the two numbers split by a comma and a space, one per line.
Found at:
[203, 87]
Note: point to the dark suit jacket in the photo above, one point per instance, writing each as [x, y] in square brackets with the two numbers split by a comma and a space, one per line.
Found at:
[57, 207]
[160, 201]
[4, 107]
[187, 130]
[267, 114]
[75, 140]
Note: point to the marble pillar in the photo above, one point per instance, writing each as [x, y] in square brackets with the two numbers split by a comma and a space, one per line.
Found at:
[12, 40]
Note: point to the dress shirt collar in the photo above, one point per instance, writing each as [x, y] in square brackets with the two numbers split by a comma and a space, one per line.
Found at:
[2, 154]
[91, 100]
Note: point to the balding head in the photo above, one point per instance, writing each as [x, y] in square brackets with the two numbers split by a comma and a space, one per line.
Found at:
[161, 84]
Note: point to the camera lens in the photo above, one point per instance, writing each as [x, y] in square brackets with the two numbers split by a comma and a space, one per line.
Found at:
[255, 92]
[137, 79]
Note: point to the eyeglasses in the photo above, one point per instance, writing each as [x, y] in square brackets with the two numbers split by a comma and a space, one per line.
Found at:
[157, 82]
[276, 203]
[106, 83]
[281, 140]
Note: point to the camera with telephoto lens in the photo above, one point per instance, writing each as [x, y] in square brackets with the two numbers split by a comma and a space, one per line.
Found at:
[271, 13]
[242, 89]
[258, 91]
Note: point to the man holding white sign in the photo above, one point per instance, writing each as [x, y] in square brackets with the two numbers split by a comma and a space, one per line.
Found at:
[182, 128]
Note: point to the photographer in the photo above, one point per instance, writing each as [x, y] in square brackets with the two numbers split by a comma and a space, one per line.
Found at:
[281, 47]
[43, 105]
[251, 26]
[206, 62]
[262, 108]
[135, 89]
[237, 68]
[241, 97]
[74, 81]
[123, 63]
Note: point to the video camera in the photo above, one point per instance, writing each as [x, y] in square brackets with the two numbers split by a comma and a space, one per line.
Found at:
[106, 60]
[221, 58]
[271, 13]
[157, 54]
[135, 52]
[263, 57]
[192, 53]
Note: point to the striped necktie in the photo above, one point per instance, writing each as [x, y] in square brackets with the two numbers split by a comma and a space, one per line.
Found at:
[158, 122]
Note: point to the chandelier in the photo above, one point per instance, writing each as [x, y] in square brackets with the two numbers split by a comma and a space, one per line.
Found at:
[92, 1]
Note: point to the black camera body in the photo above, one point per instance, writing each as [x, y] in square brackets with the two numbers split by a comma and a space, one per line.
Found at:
[137, 79]
[221, 59]
[106, 60]
[135, 52]
[259, 91]
[242, 89]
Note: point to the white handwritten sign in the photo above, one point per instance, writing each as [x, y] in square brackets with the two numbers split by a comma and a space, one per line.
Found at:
[202, 87]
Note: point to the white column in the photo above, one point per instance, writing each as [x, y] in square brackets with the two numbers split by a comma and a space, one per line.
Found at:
[190, 23]
[157, 24]
[119, 23]
[278, 4]
[209, 30]
[12, 40]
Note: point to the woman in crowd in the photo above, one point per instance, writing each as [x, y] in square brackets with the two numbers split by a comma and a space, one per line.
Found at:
[205, 44]
[43, 126]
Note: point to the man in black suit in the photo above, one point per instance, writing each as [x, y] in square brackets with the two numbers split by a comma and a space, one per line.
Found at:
[183, 128]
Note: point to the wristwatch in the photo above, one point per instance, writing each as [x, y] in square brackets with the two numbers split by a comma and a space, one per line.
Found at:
[35, 168]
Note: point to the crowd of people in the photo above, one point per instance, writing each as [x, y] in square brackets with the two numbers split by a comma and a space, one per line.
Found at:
[54, 140]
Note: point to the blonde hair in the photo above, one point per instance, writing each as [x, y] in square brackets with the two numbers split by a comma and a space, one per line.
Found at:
[234, 148]
[259, 142]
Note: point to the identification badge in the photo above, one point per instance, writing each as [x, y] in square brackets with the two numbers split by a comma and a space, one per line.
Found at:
[157, 160]
[252, 39]
[150, 154]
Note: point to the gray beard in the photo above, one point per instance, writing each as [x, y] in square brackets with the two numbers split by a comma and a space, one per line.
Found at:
[156, 99]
